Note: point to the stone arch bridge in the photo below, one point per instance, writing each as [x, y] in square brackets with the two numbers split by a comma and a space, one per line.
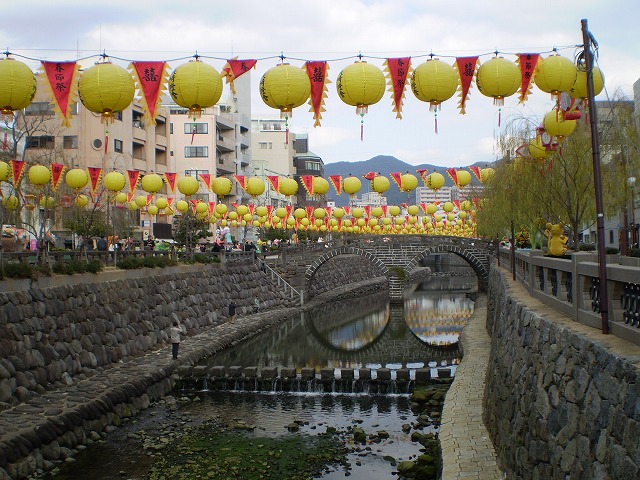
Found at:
[397, 257]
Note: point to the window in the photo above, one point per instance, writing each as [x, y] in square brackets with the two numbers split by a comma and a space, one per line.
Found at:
[195, 173]
[266, 126]
[611, 237]
[191, 152]
[200, 128]
[311, 165]
[117, 116]
[42, 141]
[277, 126]
[265, 145]
[39, 108]
[117, 146]
[171, 129]
[70, 141]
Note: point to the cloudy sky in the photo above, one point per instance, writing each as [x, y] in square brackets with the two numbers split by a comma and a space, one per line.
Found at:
[341, 29]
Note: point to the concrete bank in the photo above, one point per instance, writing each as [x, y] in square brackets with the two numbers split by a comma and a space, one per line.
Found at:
[467, 450]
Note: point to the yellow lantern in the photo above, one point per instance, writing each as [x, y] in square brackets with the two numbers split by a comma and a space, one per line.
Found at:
[486, 174]
[386, 221]
[152, 183]
[408, 182]
[377, 212]
[106, 88]
[247, 217]
[360, 85]
[351, 185]
[202, 207]
[394, 210]
[320, 186]
[10, 202]
[18, 86]
[76, 178]
[281, 212]
[121, 197]
[413, 210]
[288, 186]
[82, 201]
[39, 175]
[338, 212]
[232, 215]
[357, 212]
[537, 150]
[466, 205]
[285, 87]
[114, 181]
[291, 221]
[182, 206]
[242, 210]
[261, 211]
[305, 222]
[555, 74]
[132, 206]
[256, 223]
[462, 215]
[579, 88]
[380, 184]
[221, 186]
[255, 186]
[432, 208]
[4, 171]
[463, 177]
[447, 207]
[319, 213]
[141, 201]
[434, 181]
[498, 78]
[195, 85]
[47, 202]
[434, 81]
[162, 203]
[556, 125]
[188, 185]
[220, 208]
[153, 210]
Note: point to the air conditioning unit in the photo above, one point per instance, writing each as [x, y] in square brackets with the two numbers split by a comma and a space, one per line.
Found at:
[96, 144]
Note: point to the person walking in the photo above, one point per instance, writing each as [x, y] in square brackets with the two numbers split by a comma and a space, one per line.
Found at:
[176, 331]
[256, 304]
[232, 312]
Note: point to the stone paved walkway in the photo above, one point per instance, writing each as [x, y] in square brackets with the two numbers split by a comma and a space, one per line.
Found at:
[467, 450]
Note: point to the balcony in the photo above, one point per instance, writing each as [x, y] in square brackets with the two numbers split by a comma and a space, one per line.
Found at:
[226, 165]
[225, 144]
[161, 141]
[139, 133]
[225, 121]
[245, 160]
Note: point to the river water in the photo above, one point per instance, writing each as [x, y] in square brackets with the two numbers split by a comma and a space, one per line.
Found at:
[357, 333]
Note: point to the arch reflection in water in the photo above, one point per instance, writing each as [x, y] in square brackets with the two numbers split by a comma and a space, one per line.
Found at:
[438, 317]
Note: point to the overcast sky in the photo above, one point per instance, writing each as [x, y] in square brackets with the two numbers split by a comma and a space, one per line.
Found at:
[335, 29]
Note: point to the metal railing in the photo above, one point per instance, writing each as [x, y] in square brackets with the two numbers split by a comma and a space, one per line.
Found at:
[571, 286]
[281, 282]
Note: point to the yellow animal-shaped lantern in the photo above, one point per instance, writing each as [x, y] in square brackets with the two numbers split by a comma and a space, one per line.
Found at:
[557, 241]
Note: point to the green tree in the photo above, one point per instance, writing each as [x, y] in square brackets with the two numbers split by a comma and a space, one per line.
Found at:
[188, 229]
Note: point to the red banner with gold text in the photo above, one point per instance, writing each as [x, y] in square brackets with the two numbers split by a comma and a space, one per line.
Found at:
[151, 78]
[61, 78]
[234, 68]
[56, 175]
[466, 70]
[527, 63]
[317, 73]
[398, 69]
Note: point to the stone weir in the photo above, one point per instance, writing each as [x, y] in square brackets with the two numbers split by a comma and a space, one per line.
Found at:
[80, 354]
[287, 379]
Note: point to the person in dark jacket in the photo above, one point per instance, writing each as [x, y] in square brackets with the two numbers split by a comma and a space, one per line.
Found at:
[232, 312]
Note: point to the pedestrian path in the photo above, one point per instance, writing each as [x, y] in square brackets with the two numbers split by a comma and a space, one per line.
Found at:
[467, 450]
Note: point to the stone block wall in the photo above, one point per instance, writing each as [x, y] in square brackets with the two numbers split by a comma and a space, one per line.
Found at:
[559, 404]
[341, 270]
[49, 336]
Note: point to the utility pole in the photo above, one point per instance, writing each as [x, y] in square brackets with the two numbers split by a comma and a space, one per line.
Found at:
[588, 40]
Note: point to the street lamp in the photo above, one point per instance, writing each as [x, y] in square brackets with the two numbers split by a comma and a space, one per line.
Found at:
[631, 183]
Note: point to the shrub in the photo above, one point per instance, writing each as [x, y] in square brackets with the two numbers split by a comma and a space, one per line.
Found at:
[130, 263]
[200, 258]
[611, 251]
[77, 266]
[95, 266]
[587, 247]
[634, 252]
[18, 270]
[62, 268]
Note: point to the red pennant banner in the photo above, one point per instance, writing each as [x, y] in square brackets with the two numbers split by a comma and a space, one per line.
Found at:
[242, 181]
[170, 201]
[527, 62]
[453, 175]
[269, 210]
[274, 180]
[94, 178]
[336, 181]
[466, 70]
[149, 199]
[206, 179]
[309, 212]
[328, 210]
[212, 207]
[61, 79]
[370, 176]
[398, 70]
[252, 208]
[56, 175]
[170, 178]
[17, 167]
[423, 207]
[422, 172]
[317, 73]
[307, 182]
[476, 171]
[151, 77]
[385, 210]
[133, 176]
[367, 210]
[457, 204]
[397, 177]
[234, 68]
[347, 210]
[289, 209]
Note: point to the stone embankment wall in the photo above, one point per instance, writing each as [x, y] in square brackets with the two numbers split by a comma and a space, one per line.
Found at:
[342, 270]
[560, 400]
[51, 336]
